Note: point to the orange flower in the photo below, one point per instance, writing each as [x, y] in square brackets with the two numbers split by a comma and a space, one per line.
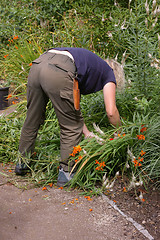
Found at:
[9, 96]
[44, 188]
[13, 102]
[88, 198]
[29, 41]
[79, 158]
[5, 56]
[15, 37]
[76, 150]
[60, 188]
[135, 162]
[101, 165]
[142, 153]
[50, 184]
[90, 209]
[9, 170]
[140, 159]
[124, 189]
[30, 64]
[141, 137]
[29, 199]
[16, 47]
[143, 129]
[72, 201]
[22, 56]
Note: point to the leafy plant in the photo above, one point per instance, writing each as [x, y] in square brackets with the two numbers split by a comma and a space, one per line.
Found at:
[135, 37]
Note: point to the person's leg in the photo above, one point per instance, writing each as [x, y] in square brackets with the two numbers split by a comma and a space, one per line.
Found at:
[36, 106]
[59, 87]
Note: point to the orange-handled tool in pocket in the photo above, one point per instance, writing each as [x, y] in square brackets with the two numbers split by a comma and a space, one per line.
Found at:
[76, 95]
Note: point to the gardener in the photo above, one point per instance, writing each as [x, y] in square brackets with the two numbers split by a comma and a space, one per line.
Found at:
[53, 76]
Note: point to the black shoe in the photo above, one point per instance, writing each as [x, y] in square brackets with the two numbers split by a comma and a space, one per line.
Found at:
[21, 169]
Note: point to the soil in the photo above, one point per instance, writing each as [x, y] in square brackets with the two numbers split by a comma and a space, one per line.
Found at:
[27, 212]
[146, 212]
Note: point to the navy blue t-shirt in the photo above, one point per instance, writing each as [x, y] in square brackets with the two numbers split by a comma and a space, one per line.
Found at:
[92, 71]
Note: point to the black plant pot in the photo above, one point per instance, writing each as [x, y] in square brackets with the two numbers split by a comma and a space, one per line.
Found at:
[3, 97]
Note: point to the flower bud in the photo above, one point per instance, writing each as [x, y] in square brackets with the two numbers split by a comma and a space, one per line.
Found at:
[154, 5]
[147, 7]
[146, 22]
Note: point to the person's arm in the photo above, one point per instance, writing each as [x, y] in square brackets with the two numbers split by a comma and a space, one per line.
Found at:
[109, 92]
[86, 132]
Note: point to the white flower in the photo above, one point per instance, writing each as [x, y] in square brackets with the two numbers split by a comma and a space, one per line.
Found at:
[130, 154]
[110, 185]
[154, 13]
[154, 24]
[141, 196]
[146, 22]
[22, 68]
[147, 7]
[116, 25]
[127, 165]
[115, 3]
[124, 54]
[123, 25]
[110, 17]
[117, 174]
[158, 11]
[103, 18]
[154, 5]
[110, 34]
[129, 81]
[149, 55]
[133, 182]
[98, 129]
[84, 151]
[135, 98]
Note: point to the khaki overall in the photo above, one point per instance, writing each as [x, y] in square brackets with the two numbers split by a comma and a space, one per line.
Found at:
[51, 77]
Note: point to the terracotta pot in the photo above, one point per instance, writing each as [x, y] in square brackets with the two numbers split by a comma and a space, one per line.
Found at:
[4, 91]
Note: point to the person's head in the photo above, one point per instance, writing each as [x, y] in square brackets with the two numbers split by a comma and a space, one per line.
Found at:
[118, 72]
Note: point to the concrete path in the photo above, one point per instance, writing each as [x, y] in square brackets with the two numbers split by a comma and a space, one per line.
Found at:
[56, 214]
